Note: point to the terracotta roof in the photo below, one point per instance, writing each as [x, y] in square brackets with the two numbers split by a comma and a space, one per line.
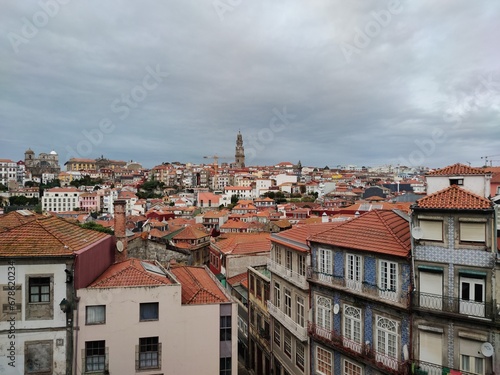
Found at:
[190, 233]
[235, 224]
[15, 218]
[454, 197]
[244, 243]
[377, 231]
[197, 286]
[300, 233]
[129, 273]
[284, 223]
[238, 279]
[457, 170]
[47, 236]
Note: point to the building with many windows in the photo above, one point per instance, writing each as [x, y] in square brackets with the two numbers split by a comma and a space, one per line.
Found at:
[456, 324]
[61, 199]
[360, 280]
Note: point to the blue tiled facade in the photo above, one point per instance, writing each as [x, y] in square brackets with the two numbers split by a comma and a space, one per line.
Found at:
[370, 270]
[338, 264]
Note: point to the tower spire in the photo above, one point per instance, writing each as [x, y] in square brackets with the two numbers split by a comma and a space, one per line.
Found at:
[240, 152]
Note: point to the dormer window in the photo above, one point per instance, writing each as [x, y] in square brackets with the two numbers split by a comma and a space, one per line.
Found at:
[456, 181]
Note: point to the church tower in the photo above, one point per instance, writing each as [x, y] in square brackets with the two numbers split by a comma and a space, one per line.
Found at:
[240, 152]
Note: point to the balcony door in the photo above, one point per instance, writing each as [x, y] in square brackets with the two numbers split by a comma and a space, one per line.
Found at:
[472, 296]
[431, 290]
[431, 352]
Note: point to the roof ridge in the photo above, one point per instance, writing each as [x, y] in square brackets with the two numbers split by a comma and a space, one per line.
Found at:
[384, 222]
[131, 266]
[458, 188]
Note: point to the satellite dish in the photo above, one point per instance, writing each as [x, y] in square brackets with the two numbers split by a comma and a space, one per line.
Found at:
[417, 233]
[487, 349]
[336, 308]
[119, 246]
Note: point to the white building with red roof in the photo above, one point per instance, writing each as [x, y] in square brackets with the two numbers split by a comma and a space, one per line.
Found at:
[140, 317]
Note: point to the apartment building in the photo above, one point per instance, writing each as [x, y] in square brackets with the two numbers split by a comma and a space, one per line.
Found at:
[61, 199]
[456, 325]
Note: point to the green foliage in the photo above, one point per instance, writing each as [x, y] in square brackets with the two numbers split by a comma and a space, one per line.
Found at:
[97, 227]
[234, 199]
[3, 187]
[23, 201]
[151, 189]
[86, 181]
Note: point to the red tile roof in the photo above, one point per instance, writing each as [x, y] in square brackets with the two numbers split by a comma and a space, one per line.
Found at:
[300, 233]
[457, 170]
[238, 279]
[454, 197]
[128, 273]
[190, 233]
[16, 218]
[244, 243]
[197, 286]
[377, 231]
[47, 236]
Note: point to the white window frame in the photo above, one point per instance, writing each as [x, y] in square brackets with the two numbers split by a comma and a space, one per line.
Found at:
[386, 341]
[326, 354]
[388, 279]
[301, 311]
[354, 271]
[325, 264]
[288, 302]
[301, 264]
[352, 328]
[472, 232]
[277, 295]
[349, 366]
[323, 319]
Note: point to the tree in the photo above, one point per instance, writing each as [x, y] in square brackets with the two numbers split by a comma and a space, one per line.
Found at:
[97, 227]
[234, 199]
[3, 187]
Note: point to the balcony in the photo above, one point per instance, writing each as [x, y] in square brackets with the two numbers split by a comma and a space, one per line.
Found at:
[426, 368]
[453, 305]
[360, 288]
[362, 351]
[297, 330]
[289, 275]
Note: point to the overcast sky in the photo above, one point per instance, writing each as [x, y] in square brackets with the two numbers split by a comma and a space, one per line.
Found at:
[324, 82]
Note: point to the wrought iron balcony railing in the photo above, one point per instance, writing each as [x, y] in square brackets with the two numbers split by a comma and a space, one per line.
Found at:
[287, 274]
[426, 368]
[361, 288]
[453, 305]
[364, 351]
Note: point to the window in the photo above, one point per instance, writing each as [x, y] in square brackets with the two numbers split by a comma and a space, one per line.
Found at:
[288, 260]
[225, 328]
[456, 181]
[300, 311]
[472, 232]
[324, 361]
[277, 334]
[225, 366]
[325, 268]
[387, 342]
[258, 289]
[149, 353]
[472, 296]
[288, 302]
[278, 255]
[299, 355]
[473, 365]
[352, 328]
[39, 289]
[353, 272]
[277, 295]
[95, 314]
[388, 280]
[351, 368]
[148, 311]
[288, 344]
[301, 264]
[324, 313]
[432, 230]
[95, 356]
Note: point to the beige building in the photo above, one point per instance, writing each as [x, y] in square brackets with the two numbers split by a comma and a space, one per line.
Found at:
[138, 317]
[61, 199]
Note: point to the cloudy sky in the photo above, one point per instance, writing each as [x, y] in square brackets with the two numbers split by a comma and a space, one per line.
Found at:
[325, 82]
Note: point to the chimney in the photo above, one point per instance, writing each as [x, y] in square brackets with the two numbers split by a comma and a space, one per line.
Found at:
[120, 230]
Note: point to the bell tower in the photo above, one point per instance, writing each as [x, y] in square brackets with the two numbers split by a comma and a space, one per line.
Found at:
[240, 152]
